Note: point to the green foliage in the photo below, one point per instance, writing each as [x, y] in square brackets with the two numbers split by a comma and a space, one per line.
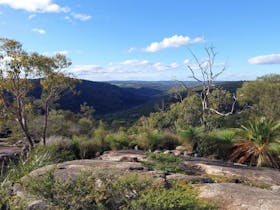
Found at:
[190, 136]
[85, 125]
[37, 158]
[263, 96]
[165, 162]
[156, 140]
[179, 197]
[217, 143]
[119, 140]
[259, 144]
[108, 192]
[87, 148]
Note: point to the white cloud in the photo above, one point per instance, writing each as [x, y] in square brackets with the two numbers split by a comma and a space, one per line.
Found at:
[187, 61]
[171, 42]
[265, 59]
[35, 5]
[31, 16]
[127, 68]
[82, 17]
[39, 30]
[135, 62]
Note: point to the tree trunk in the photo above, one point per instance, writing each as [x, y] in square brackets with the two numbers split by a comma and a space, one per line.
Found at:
[46, 107]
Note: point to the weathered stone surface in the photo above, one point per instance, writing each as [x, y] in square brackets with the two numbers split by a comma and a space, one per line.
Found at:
[167, 152]
[181, 148]
[188, 178]
[176, 152]
[275, 188]
[262, 175]
[8, 153]
[38, 204]
[74, 168]
[124, 155]
[226, 195]
[232, 196]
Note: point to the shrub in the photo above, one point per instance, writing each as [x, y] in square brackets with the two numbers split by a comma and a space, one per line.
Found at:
[87, 148]
[85, 126]
[152, 140]
[190, 136]
[179, 197]
[213, 146]
[117, 141]
[108, 192]
[165, 162]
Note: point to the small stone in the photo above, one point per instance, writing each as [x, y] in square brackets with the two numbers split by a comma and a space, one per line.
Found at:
[157, 151]
[176, 152]
[167, 152]
[181, 148]
[275, 188]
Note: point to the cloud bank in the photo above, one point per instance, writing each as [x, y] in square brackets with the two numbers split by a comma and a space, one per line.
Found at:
[125, 69]
[265, 59]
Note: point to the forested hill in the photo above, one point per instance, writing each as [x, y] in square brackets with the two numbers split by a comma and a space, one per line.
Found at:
[121, 97]
[104, 97]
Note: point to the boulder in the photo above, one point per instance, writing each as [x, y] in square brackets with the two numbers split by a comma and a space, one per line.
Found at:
[73, 169]
[232, 196]
[167, 152]
[8, 153]
[181, 148]
[189, 178]
[176, 152]
[124, 155]
[262, 175]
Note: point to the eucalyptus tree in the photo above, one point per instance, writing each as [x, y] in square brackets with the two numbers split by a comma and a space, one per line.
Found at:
[18, 71]
[54, 82]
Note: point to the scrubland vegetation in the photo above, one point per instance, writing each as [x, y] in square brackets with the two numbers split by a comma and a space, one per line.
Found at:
[250, 134]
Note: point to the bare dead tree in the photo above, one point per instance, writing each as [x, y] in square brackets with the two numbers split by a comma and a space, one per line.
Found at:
[206, 76]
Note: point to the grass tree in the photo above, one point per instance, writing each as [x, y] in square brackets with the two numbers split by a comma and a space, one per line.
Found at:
[261, 142]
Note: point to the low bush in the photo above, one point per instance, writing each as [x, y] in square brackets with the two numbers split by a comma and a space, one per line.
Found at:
[165, 162]
[217, 143]
[152, 140]
[108, 192]
[179, 196]
[117, 141]
[87, 148]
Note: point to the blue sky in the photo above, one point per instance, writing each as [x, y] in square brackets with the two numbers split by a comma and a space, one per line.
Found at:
[148, 39]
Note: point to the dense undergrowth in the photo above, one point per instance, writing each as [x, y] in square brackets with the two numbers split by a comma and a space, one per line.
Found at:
[109, 192]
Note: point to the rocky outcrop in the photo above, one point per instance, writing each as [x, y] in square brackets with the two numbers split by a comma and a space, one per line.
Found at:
[266, 176]
[8, 153]
[199, 171]
[72, 169]
[232, 196]
[124, 156]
